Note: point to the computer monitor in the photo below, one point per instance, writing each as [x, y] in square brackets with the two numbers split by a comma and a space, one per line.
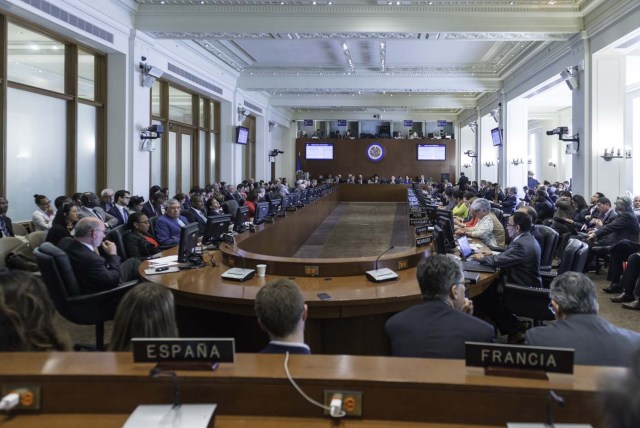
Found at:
[241, 218]
[274, 206]
[438, 240]
[432, 214]
[215, 227]
[447, 230]
[188, 242]
[262, 210]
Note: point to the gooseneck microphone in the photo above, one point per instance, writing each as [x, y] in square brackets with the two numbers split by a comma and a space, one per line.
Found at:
[385, 252]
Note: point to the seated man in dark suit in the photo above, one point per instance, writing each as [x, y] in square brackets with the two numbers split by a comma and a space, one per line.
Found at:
[93, 272]
[438, 327]
[6, 228]
[119, 209]
[623, 225]
[154, 206]
[521, 260]
[281, 313]
[197, 212]
[168, 225]
[578, 326]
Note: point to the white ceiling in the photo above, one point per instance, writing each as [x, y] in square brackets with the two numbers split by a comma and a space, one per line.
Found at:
[437, 56]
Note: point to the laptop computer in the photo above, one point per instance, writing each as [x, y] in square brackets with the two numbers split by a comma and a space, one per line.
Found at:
[471, 265]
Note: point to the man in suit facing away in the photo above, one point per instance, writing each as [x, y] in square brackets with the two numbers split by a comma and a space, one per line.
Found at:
[596, 342]
[438, 327]
[282, 313]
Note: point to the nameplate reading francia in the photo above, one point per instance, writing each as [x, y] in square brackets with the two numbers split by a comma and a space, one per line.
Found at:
[556, 360]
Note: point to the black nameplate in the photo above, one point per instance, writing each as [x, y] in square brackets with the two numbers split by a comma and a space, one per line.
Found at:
[556, 360]
[421, 230]
[418, 221]
[417, 215]
[424, 240]
[189, 349]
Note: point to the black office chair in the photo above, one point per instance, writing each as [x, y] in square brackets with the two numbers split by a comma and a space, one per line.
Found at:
[83, 309]
[116, 235]
[569, 261]
[550, 240]
[230, 207]
[528, 302]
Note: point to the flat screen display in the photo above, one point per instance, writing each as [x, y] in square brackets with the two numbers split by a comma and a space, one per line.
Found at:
[436, 152]
[496, 136]
[242, 135]
[319, 151]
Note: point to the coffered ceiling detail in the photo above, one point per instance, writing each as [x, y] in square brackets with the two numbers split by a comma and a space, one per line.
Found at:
[305, 52]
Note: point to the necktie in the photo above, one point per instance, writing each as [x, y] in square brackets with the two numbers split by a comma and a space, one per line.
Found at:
[97, 214]
[125, 214]
[3, 227]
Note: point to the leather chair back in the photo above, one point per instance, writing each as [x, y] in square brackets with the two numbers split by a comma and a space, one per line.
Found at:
[528, 302]
[569, 255]
[83, 309]
[580, 259]
[230, 207]
[116, 235]
[550, 240]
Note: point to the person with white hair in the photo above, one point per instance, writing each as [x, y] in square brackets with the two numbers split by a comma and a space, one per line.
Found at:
[596, 342]
[483, 230]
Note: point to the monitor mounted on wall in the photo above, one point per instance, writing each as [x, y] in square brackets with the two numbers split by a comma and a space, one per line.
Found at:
[242, 135]
[496, 136]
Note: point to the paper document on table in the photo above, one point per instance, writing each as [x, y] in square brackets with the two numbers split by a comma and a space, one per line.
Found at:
[165, 261]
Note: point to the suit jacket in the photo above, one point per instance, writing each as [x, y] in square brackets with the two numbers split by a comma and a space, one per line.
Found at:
[509, 204]
[623, 226]
[595, 340]
[94, 273]
[434, 329]
[107, 218]
[168, 230]
[7, 222]
[281, 348]
[192, 216]
[521, 260]
[114, 211]
[150, 210]
[136, 246]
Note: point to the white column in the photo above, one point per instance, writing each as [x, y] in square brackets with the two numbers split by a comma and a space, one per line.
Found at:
[516, 142]
[608, 124]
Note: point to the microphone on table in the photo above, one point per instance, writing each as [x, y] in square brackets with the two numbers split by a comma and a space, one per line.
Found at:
[381, 275]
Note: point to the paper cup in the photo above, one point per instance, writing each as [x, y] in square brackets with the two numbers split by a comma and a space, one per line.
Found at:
[261, 269]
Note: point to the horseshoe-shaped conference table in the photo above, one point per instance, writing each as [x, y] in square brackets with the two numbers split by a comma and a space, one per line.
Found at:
[351, 323]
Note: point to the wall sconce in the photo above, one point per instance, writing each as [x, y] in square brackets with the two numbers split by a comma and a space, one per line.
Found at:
[242, 110]
[552, 163]
[272, 125]
[473, 125]
[529, 161]
[466, 165]
[517, 161]
[488, 164]
[616, 154]
[471, 154]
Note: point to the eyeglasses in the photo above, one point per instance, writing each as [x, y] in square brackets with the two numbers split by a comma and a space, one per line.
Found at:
[464, 284]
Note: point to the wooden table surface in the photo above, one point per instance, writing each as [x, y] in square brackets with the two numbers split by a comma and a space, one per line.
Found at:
[256, 386]
[351, 323]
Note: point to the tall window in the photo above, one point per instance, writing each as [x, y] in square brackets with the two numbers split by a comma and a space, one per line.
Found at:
[186, 156]
[54, 118]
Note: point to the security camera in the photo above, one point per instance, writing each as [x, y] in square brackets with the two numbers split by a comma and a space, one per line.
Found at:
[561, 130]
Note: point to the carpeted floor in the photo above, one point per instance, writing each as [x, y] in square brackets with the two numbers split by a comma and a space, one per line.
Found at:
[352, 231]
